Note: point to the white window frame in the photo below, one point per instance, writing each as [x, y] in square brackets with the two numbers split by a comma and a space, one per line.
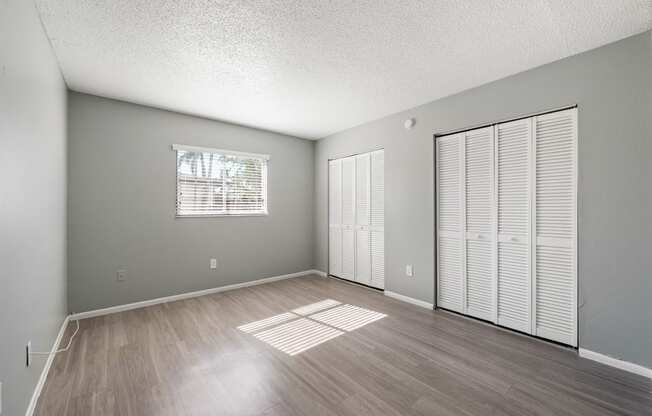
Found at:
[223, 152]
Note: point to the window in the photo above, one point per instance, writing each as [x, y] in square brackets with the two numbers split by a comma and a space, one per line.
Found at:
[213, 182]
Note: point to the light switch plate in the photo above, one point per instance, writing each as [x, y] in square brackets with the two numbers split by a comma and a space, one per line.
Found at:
[121, 275]
[213, 264]
[408, 270]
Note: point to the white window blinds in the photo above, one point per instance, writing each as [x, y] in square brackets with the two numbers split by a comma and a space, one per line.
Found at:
[213, 182]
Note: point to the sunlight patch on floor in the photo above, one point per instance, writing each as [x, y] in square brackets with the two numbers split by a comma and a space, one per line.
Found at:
[310, 325]
[347, 317]
[316, 307]
[298, 335]
[264, 323]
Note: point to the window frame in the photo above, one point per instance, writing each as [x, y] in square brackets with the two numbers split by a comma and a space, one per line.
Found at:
[223, 152]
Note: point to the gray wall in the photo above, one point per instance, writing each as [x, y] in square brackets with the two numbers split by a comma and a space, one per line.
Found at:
[122, 206]
[613, 87]
[33, 200]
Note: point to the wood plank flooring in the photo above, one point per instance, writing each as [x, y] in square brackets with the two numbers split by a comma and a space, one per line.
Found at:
[189, 358]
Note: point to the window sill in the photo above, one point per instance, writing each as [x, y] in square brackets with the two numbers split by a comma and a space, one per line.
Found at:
[262, 214]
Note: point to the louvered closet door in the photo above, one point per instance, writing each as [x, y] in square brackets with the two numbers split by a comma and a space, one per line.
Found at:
[348, 218]
[335, 217]
[377, 217]
[555, 266]
[362, 216]
[450, 259]
[480, 228]
[513, 207]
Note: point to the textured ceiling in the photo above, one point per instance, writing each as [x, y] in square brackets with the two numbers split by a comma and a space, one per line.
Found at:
[311, 68]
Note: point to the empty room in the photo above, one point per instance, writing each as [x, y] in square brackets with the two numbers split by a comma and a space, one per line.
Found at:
[326, 207]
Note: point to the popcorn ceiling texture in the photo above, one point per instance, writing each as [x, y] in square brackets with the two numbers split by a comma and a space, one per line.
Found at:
[310, 68]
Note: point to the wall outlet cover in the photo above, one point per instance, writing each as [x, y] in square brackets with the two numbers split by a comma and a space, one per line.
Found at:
[121, 275]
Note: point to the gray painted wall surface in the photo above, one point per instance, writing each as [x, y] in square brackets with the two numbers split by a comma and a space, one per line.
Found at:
[613, 87]
[122, 206]
[33, 200]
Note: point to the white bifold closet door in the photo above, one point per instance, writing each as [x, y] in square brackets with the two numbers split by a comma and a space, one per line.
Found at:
[513, 186]
[450, 257]
[348, 218]
[356, 218]
[362, 217]
[480, 223]
[335, 217]
[466, 229]
[506, 224]
[555, 216]
[377, 218]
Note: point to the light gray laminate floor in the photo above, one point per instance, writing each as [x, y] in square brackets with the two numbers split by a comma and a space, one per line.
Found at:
[190, 358]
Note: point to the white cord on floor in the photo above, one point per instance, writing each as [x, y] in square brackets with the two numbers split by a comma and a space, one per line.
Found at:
[61, 350]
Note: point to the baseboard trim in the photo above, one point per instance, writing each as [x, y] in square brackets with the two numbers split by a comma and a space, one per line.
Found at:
[187, 295]
[615, 362]
[354, 283]
[46, 369]
[320, 273]
[408, 299]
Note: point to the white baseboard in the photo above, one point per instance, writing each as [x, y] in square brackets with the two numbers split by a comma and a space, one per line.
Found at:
[46, 369]
[187, 295]
[409, 299]
[615, 362]
[320, 273]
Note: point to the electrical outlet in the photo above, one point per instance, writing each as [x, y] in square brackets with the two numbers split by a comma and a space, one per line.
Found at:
[28, 354]
[121, 275]
[409, 271]
[213, 264]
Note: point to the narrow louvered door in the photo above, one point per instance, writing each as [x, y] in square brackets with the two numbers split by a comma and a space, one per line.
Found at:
[513, 161]
[450, 208]
[335, 217]
[480, 298]
[377, 217]
[362, 216]
[348, 218]
[555, 256]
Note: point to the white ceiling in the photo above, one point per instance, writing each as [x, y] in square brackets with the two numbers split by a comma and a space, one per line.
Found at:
[311, 68]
